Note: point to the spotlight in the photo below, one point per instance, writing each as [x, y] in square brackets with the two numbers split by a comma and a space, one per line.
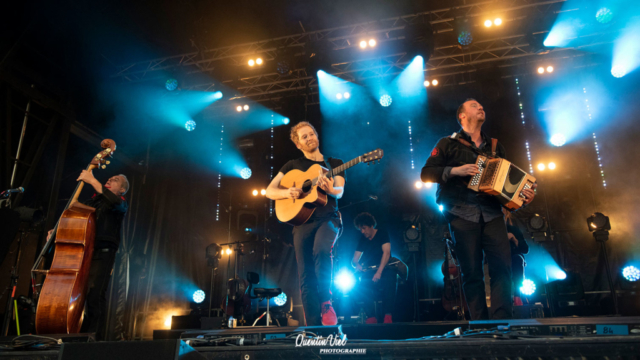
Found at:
[285, 121]
[217, 95]
[604, 15]
[346, 95]
[426, 83]
[419, 184]
[540, 70]
[497, 21]
[598, 222]
[263, 192]
[363, 44]
[339, 96]
[229, 251]
[245, 108]
[259, 61]
[171, 84]
[549, 69]
[428, 185]
[465, 38]
[541, 167]
[167, 321]
[252, 62]
[488, 23]
[385, 100]
[528, 287]
[345, 280]
[198, 296]
[255, 192]
[537, 226]
[618, 71]
[190, 125]
[551, 166]
[280, 299]
[434, 82]
[631, 273]
[238, 108]
[560, 275]
[558, 139]
[441, 208]
[245, 173]
[372, 42]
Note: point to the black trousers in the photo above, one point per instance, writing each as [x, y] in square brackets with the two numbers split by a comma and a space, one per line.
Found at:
[96, 304]
[471, 240]
[384, 290]
[313, 243]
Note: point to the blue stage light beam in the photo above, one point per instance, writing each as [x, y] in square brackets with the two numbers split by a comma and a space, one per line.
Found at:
[245, 173]
[280, 299]
[198, 296]
[558, 139]
[528, 287]
[190, 125]
[631, 273]
[626, 50]
[541, 265]
[345, 280]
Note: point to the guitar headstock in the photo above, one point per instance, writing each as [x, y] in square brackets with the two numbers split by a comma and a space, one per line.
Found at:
[372, 156]
[100, 160]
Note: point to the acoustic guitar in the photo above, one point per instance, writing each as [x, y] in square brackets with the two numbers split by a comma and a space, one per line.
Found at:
[298, 211]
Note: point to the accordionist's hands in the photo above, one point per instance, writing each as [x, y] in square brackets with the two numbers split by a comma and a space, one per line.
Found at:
[465, 170]
[529, 194]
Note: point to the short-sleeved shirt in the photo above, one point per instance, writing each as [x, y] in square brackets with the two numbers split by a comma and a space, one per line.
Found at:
[372, 249]
[303, 164]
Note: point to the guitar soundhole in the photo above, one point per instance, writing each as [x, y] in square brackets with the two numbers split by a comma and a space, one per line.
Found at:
[306, 187]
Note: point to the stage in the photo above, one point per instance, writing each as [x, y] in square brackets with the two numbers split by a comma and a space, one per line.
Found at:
[586, 337]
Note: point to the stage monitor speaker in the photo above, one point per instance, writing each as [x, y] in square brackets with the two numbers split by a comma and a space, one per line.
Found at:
[130, 350]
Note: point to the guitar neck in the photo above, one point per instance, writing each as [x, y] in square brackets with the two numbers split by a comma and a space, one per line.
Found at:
[343, 167]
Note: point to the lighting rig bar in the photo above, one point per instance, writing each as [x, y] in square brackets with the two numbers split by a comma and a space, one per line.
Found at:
[342, 37]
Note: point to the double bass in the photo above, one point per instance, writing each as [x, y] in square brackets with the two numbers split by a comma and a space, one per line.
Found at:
[62, 297]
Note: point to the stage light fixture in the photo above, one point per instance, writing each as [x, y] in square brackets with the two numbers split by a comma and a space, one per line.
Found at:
[552, 166]
[245, 173]
[339, 96]
[428, 185]
[345, 280]
[385, 100]
[541, 167]
[285, 121]
[245, 108]
[560, 275]
[558, 140]
[434, 82]
[239, 108]
[255, 192]
[618, 71]
[540, 70]
[363, 44]
[190, 125]
[537, 223]
[252, 62]
[419, 184]
[426, 83]
[549, 69]
[465, 38]
[372, 42]
[229, 251]
[280, 299]
[259, 61]
[488, 23]
[346, 95]
[171, 84]
[497, 21]
[441, 208]
[528, 287]
[198, 296]
[167, 321]
[598, 222]
[604, 15]
[263, 192]
[631, 273]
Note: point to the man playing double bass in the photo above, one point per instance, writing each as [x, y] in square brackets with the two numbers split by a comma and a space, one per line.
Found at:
[111, 208]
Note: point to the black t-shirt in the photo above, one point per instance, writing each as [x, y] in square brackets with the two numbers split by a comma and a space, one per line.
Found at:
[303, 164]
[372, 249]
[110, 211]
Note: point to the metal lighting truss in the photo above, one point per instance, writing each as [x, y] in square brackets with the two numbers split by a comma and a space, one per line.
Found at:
[449, 62]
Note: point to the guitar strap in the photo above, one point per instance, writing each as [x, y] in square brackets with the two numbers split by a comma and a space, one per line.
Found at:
[494, 145]
[327, 163]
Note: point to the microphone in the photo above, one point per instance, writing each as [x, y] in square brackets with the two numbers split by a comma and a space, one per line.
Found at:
[19, 190]
[373, 197]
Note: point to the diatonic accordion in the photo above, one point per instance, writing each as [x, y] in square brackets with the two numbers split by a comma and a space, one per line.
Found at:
[501, 178]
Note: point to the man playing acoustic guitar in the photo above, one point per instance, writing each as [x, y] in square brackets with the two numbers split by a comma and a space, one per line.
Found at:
[313, 240]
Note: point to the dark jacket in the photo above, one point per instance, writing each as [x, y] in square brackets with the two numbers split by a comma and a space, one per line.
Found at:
[110, 211]
[450, 153]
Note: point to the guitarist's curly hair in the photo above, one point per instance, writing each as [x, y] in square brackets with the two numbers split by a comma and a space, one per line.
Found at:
[364, 219]
[298, 126]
